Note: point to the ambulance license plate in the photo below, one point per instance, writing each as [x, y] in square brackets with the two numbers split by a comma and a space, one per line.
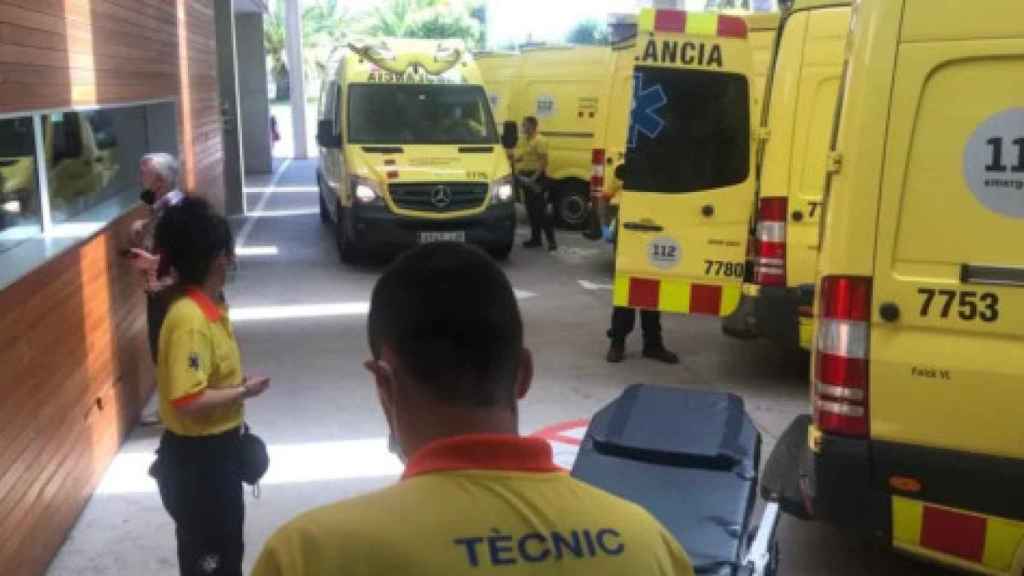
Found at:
[453, 236]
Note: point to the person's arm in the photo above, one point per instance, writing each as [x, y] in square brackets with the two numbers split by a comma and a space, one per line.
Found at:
[213, 398]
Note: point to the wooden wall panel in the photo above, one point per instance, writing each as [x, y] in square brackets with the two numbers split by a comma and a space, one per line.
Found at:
[73, 332]
[74, 336]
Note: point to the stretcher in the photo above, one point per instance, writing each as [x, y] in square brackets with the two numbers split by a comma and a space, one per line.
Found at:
[691, 458]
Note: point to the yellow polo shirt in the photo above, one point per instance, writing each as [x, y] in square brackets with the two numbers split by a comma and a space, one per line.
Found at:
[197, 351]
[530, 153]
[477, 505]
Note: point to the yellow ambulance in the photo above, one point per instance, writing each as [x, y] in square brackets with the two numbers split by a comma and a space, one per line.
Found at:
[566, 89]
[688, 176]
[501, 72]
[917, 432]
[796, 124]
[610, 138]
[409, 151]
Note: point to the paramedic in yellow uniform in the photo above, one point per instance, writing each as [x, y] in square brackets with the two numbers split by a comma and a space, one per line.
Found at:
[530, 162]
[476, 497]
[201, 389]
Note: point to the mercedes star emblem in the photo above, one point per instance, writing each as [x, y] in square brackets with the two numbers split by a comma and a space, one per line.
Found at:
[441, 196]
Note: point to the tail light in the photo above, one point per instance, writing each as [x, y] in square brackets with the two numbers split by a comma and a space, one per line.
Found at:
[770, 256]
[841, 356]
[597, 172]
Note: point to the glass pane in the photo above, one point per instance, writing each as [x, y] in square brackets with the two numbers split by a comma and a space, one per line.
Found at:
[92, 159]
[417, 114]
[689, 131]
[19, 191]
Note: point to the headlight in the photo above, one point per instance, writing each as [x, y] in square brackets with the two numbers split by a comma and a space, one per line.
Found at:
[365, 190]
[502, 190]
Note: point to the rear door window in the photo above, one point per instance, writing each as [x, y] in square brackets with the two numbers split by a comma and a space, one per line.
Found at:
[690, 131]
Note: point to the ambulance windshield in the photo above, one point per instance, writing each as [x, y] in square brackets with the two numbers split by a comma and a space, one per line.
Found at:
[689, 131]
[419, 114]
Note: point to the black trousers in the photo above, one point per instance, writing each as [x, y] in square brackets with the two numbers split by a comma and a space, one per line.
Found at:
[156, 310]
[201, 488]
[541, 218]
[624, 320]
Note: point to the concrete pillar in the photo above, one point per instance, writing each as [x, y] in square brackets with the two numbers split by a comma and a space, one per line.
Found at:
[293, 36]
[252, 90]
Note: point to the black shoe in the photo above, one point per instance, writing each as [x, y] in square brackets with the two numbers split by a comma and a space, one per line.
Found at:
[532, 244]
[592, 234]
[616, 352]
[552, 247]
[661, 354]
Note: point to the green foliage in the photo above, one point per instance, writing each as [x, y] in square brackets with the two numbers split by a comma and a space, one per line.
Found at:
[327, 26]
[426, 19]
[588, 32]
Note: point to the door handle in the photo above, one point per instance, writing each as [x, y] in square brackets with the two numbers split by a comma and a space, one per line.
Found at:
[889, 312]
[642, 227]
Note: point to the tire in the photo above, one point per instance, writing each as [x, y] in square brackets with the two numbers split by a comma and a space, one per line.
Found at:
[349, 252]
[572, 205]
[325, 214]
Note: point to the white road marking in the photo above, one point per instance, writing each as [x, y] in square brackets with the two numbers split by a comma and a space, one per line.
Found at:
[306, 311]
[276, 213]
[587, 285]
[256, 251]
[243, 236]
[281, 189]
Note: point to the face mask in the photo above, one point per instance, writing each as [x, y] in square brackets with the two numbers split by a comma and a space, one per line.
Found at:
[148, 197]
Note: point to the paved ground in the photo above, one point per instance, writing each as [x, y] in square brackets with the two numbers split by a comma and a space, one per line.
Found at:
[300, 318]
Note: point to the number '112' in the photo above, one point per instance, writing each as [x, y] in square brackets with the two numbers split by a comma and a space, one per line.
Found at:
[997, 155]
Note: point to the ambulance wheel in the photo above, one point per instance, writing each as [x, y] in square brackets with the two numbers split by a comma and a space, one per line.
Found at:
[572, 205]
[325, 214]
[348, 251]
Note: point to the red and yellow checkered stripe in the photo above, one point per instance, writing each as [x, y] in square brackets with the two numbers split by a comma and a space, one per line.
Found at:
[956, 537]
[693, 23]
[675, 296]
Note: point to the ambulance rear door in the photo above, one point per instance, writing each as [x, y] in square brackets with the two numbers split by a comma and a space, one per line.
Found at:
[688, 180]
[946, 361]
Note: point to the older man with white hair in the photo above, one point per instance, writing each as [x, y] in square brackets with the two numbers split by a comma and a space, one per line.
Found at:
[158, 175]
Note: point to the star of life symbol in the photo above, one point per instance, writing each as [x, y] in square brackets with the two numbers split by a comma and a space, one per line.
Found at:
[644, 116]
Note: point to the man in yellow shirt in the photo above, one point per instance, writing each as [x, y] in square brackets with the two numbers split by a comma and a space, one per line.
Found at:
[530, 162]
[450, 366]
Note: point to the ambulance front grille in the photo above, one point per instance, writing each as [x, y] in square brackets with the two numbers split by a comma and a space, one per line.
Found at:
[438, 197]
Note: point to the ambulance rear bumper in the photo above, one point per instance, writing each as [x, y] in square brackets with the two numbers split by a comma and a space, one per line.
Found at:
[846, 482]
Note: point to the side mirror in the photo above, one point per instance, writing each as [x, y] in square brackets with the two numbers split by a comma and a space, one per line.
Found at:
[509, 135]
[326, 137]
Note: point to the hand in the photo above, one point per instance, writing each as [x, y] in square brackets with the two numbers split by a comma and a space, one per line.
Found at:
[144, 261]
[253, 387]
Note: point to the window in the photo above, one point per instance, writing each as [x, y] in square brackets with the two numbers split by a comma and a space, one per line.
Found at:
[91, 160]
[19, 190]
[419, 114]
[689, 131]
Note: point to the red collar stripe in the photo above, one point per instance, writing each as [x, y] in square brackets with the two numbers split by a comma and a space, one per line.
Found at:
[210, 309]
[483, 452]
